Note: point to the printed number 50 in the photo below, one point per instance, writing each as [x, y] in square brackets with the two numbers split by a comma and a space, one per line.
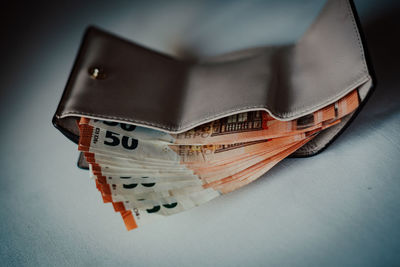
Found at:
[115, 141]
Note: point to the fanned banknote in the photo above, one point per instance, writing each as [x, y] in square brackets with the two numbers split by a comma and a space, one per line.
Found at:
[147, 174]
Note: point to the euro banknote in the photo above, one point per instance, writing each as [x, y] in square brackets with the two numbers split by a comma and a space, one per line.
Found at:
[148, 174]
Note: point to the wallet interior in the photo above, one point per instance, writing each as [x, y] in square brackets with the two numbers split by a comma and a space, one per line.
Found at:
[136, 85]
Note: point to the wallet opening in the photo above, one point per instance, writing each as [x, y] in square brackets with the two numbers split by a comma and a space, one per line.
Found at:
[149, 89]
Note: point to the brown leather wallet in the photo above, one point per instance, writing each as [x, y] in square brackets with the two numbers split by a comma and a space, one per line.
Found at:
[117, 80]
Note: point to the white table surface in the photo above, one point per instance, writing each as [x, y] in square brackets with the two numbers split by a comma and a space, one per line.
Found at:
[340, 208]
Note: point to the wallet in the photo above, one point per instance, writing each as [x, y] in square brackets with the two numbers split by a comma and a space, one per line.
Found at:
[117, 80]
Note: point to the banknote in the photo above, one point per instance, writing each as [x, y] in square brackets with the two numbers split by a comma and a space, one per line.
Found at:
[228, 186]
[97, 139]
[205, 174]
[151, 178]
[237, 182]
[240, 179]
[179, 201]
[118, 193]
[131, 184]
[148, 174]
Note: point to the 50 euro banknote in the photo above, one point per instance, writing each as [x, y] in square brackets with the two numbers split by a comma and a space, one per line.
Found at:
[94, 139]
[128, 186]
[133, 174]
[173, 201]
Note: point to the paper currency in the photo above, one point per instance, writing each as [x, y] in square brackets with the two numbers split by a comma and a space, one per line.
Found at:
[147, 174]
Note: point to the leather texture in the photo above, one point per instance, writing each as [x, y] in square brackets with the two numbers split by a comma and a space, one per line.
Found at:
[147, 88]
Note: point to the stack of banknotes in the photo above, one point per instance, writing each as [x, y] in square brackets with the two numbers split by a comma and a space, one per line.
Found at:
[147, 174]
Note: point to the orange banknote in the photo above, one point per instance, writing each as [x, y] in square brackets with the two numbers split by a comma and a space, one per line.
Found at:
[147, 174]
